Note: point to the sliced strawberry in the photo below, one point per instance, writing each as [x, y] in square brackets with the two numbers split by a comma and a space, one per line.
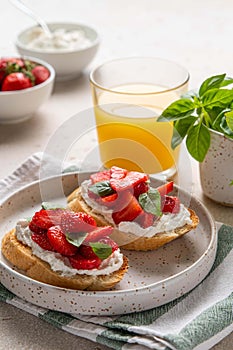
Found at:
[101, 176]
[98, 233]
[142, 187]
[170, 204]
[59, 242]
[79, 262]
[77, 222]
[93, 195]
[132, 179]
[46, 218]
[36, 229]
[129, 212]
[145, 219]
[42, 240]
[108, 201]
[87, 251]
[165, 189]
[118, 173]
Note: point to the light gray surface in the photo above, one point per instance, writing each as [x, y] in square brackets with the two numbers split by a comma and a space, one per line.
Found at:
[194, 33]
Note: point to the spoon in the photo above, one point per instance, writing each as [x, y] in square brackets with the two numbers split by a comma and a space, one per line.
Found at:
[20, 5]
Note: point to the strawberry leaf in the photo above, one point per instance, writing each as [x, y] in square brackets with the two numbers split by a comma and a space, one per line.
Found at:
[102, 250]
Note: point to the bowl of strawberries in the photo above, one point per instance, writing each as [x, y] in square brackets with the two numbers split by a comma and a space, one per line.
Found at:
[25, 84]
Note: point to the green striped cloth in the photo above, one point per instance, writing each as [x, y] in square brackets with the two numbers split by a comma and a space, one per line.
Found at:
[197, 320]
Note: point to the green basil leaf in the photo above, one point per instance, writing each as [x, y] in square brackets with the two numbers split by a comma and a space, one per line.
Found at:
[225, 128]
[217, 98]
[180, 130]
[102, 188]
[198, 141]
[179, 109]
[191, 95]
[227, 81]
[151, 202]
[102, 250]
[231, 183]
[211, 83]
[229, 119]
[76, 238]
[217, 122]
[51, 206]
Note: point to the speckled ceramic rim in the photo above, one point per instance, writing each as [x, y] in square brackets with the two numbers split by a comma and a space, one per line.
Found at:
[178, 86]
[35, 87]
[72, 24]
[212, 243]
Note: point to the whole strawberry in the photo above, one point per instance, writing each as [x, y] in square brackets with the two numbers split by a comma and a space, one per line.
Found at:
[40, 73]
[16, 81]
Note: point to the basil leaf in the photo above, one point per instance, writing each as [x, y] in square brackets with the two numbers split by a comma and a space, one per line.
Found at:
[229, 119]
[211, 83]
[225, 128]
[52, 206]
[231, 183]
[198, 141]
[102, 250]
[217, 98]
[76, 238]
[191, 95]
[180, 109]
[151, 202]
[217, 122]
[102, 188]
[227, 81]
[180, 130]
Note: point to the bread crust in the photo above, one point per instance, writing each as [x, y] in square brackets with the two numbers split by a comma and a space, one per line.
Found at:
[21, 256]
[126, 240]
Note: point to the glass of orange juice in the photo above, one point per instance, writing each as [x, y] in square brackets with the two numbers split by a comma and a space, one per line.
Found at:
[128, 95]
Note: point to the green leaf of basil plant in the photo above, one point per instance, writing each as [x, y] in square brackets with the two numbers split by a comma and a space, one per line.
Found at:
[76, 238]
[211, 83]
[229, 119]
[102, 250]
[102, 188]
[195, 113]
[198, 141]
[151, 202]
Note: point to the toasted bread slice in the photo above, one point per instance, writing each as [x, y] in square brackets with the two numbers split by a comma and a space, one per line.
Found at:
[21, 256]
[126, 240]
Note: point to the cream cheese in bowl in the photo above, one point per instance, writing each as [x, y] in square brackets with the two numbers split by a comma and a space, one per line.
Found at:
[69, 50]
[60, 39]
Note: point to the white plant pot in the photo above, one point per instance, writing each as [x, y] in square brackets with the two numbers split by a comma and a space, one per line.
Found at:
[216, 171]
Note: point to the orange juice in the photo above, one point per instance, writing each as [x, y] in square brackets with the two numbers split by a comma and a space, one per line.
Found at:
[129, 135]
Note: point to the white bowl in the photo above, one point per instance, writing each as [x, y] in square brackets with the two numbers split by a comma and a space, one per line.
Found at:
[20, 105]
[68, 63]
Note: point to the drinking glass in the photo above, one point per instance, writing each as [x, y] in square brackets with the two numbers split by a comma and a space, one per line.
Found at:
[128, 95]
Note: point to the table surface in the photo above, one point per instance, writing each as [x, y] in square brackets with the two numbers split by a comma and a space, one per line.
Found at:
[193, 33]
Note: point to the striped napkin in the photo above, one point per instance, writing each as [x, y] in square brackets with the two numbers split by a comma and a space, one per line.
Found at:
[197, 320]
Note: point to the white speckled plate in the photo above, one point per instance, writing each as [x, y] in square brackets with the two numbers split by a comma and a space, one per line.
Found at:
[154, 278]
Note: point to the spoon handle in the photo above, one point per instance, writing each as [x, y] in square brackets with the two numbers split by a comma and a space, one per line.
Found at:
[20, 5]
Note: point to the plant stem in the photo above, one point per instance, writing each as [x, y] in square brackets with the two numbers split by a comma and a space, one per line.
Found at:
[207, 118]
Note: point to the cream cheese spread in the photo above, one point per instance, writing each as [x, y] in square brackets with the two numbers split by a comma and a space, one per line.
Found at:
[59, 263]
[60, 40]
[166, 222]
